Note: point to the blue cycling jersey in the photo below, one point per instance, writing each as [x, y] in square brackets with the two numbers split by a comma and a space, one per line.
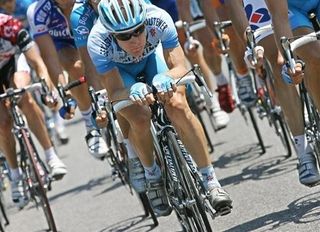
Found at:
[298, 12]
[82, 19]
[45, 17]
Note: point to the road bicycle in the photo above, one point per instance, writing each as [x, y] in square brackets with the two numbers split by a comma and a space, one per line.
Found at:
[219, 31]
[117, 155]
[267, 106]
[184, 186]
[36, 176]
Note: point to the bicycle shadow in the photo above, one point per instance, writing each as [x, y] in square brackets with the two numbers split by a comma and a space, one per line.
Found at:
[301, 211]
[93, 183]
[262, 169]
[129, 225]
[238, 156]
[113, 186]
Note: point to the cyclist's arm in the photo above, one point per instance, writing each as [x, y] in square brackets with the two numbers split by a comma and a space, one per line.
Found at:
[112, 81]
[36, 62]
[176, 62]
[51, 58]
[279, 12]
[91, 74]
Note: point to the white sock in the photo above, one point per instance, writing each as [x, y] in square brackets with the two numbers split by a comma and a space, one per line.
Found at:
[209, 177]
[221, 79]
[15, 173]
[242, 75]
[59, 122]
[131, 152]
[153, 172]
[50, 154]
[301, 144]
[86, 115]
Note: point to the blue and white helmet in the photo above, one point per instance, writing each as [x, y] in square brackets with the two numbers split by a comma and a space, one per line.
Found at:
[120, 16]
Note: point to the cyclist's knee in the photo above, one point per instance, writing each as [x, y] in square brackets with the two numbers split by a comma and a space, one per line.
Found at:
[28, 104]
[177, 109]
[139, 119]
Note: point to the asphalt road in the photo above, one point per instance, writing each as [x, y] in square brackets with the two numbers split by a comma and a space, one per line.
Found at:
[265, 190]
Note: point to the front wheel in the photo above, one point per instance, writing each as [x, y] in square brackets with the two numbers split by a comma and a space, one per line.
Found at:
[38, 185]
[193, 217]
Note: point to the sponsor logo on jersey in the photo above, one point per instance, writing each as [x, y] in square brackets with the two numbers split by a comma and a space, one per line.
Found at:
[159, 23]
[260, 15]
[82, 30]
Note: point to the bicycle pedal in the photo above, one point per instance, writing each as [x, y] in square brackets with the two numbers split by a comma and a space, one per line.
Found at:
[223, 211]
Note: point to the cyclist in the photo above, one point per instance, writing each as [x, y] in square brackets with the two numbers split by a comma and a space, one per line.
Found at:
[287, 95]
[19, 11]
[189, 11]
[50, 29]
[300, 25]
[237, 48]
[122, 46]
[194, 53]
[19, 37]
[83, 16]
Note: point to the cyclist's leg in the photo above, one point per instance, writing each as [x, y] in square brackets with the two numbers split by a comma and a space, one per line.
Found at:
[237, 49]
[69, 58]
[7, 140]
[139, 134]
[36, 123]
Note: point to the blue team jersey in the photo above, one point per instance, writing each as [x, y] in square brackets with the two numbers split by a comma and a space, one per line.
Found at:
[106, 53]
[82, 19]
[45, 17]
[304, 4]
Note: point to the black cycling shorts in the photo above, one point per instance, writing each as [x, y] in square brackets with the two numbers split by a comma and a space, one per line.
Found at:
[6, 74]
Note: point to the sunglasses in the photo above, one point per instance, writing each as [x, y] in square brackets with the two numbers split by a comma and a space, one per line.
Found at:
[127, 36]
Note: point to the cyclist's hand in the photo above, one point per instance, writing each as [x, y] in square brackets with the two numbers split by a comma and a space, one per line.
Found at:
[248, 57]
[216, 44]
[67, 112]
[101, 119]
[293, 77]
[50, 100]
[141, 94]
[165, 86]
[192, 46]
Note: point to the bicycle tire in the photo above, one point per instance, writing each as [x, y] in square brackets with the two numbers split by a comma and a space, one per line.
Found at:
[278, 117]
[257, 130]
[196, 214]
[123, 170]
[283, 133]
[195, 109]
[3, 209]
[314, 120]
[39, 187]
[148, 208]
